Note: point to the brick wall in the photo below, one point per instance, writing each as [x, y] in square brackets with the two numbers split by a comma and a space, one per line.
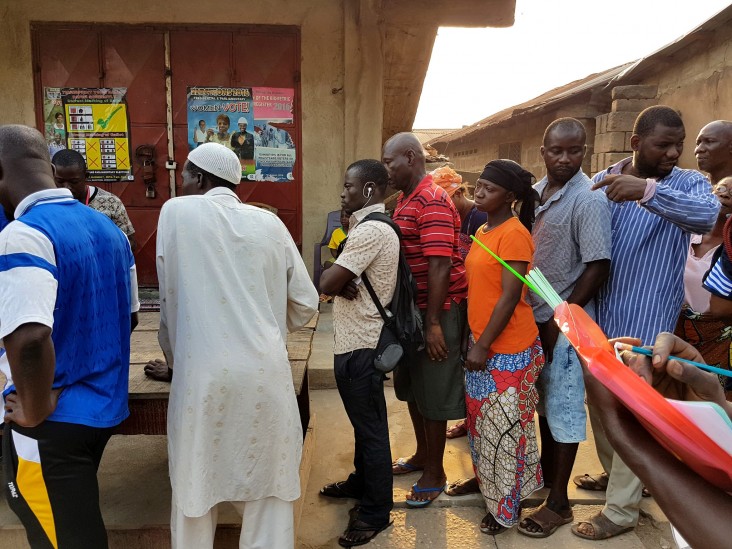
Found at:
[613, 129]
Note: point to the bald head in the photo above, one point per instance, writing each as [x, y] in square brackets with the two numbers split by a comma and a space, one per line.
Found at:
[403, 157]
[22, 142]
[722, 127]
[25, 165]
[714, 149]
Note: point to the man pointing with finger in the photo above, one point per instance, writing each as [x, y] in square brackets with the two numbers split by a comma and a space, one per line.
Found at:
[655, 208]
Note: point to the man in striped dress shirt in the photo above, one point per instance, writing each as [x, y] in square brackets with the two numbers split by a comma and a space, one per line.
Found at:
[655, 208]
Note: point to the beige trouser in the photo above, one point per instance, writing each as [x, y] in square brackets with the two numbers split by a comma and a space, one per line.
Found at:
[266, 524]
[624, 489]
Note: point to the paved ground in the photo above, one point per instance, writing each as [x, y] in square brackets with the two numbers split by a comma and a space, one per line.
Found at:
[449, 522]
[135, 492]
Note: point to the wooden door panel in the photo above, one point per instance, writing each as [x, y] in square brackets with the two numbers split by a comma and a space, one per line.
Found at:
[68, 57]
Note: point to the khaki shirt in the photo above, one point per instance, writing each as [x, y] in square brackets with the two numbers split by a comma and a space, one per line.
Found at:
[372, 247]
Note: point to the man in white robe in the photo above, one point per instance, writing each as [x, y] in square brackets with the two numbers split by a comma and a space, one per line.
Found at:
[231, 284]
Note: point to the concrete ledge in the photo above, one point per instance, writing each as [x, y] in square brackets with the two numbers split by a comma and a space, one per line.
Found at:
[320, 363]
[135, 497]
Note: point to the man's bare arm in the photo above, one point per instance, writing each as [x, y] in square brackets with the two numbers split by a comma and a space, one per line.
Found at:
[32, 360]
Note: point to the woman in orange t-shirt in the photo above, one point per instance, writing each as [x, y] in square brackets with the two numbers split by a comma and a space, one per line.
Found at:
[504, 355]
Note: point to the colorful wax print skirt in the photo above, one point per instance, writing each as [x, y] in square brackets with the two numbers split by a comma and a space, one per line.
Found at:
[500, 405]
[712, 338]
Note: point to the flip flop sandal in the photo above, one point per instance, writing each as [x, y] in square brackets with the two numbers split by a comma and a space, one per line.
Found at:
[360, 526]
[417, 490]
[339, 490]
[402, 467]
[596, 483]
[602, 528]
[463, 487]
[456, 431]
[491, 530]
[547, 520]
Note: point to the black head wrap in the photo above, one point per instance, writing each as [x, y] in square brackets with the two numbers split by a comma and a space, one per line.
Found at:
[512, 177]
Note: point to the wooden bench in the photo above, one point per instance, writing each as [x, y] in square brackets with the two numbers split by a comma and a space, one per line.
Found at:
[148, 399]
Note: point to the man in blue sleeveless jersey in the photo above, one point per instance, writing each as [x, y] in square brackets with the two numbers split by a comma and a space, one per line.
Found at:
[67, 305]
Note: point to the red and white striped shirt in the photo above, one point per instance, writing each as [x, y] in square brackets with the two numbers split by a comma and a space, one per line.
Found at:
[430, 226]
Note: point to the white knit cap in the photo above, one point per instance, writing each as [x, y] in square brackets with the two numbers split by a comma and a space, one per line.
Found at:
[242, 120]
[218, 160]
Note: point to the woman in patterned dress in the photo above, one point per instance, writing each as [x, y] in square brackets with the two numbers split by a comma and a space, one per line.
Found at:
[504, 357]
[471, 220]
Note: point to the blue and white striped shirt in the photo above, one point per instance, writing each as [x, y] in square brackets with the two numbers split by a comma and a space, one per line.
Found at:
[650, 242]
[718, 280]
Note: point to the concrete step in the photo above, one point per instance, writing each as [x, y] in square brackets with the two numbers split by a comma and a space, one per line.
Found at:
[135, 497]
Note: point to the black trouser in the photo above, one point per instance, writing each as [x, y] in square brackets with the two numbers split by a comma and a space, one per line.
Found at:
[51, 483]
[362, 390]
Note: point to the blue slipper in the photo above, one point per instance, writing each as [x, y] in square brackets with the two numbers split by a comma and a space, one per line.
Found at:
[402, 467]
[417, 490]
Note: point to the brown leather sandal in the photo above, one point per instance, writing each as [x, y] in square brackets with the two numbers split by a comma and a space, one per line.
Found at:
[547, 520]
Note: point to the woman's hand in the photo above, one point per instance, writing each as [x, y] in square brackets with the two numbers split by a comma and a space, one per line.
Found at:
[477, 358]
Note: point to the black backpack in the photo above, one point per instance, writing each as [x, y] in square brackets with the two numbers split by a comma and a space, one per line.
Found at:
[403, 316]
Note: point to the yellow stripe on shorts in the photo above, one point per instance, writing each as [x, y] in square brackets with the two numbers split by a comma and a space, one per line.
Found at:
[30, 483]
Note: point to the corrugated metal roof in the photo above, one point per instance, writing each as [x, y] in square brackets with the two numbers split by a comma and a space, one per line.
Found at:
[430, 134]
[551, 97]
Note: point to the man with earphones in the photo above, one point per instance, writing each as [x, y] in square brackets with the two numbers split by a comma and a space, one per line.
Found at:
[372, 248]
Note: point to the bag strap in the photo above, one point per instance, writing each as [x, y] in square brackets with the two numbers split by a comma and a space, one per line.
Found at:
[378, 216]
[387, 319]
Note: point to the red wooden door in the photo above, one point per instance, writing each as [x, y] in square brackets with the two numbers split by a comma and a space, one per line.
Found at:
[245, 57]
[133, 57]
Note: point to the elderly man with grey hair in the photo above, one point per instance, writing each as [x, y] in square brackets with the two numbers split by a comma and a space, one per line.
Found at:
[231, 284]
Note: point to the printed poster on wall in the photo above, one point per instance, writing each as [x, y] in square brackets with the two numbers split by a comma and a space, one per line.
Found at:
[54, 122]
[252, 122]
[97, 126]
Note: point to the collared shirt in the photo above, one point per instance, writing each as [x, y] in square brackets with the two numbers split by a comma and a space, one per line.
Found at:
[54, 147]
[372, 247]
[199, 135]
[111, 206]
[430, 227]
[68, 267]
[650, 243]
[718, 279]
[572, 228]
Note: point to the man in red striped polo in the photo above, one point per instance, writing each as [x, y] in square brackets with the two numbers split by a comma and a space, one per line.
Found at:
[433, 384]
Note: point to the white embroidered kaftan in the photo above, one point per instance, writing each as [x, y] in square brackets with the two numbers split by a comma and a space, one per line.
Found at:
[231, 284]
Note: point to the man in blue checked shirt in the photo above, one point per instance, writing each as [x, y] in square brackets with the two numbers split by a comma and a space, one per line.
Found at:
[655, 208]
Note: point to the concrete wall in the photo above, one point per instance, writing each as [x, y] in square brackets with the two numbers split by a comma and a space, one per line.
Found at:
[698, 82]
[342, 74]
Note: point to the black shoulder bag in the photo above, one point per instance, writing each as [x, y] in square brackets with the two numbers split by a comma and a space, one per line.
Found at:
[388, 351]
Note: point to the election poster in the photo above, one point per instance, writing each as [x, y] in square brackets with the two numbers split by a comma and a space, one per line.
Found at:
[252, 122]
[97, 126]
[54, 122]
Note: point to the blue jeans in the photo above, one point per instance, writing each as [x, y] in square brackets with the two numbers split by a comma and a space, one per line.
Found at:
[562, 394]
